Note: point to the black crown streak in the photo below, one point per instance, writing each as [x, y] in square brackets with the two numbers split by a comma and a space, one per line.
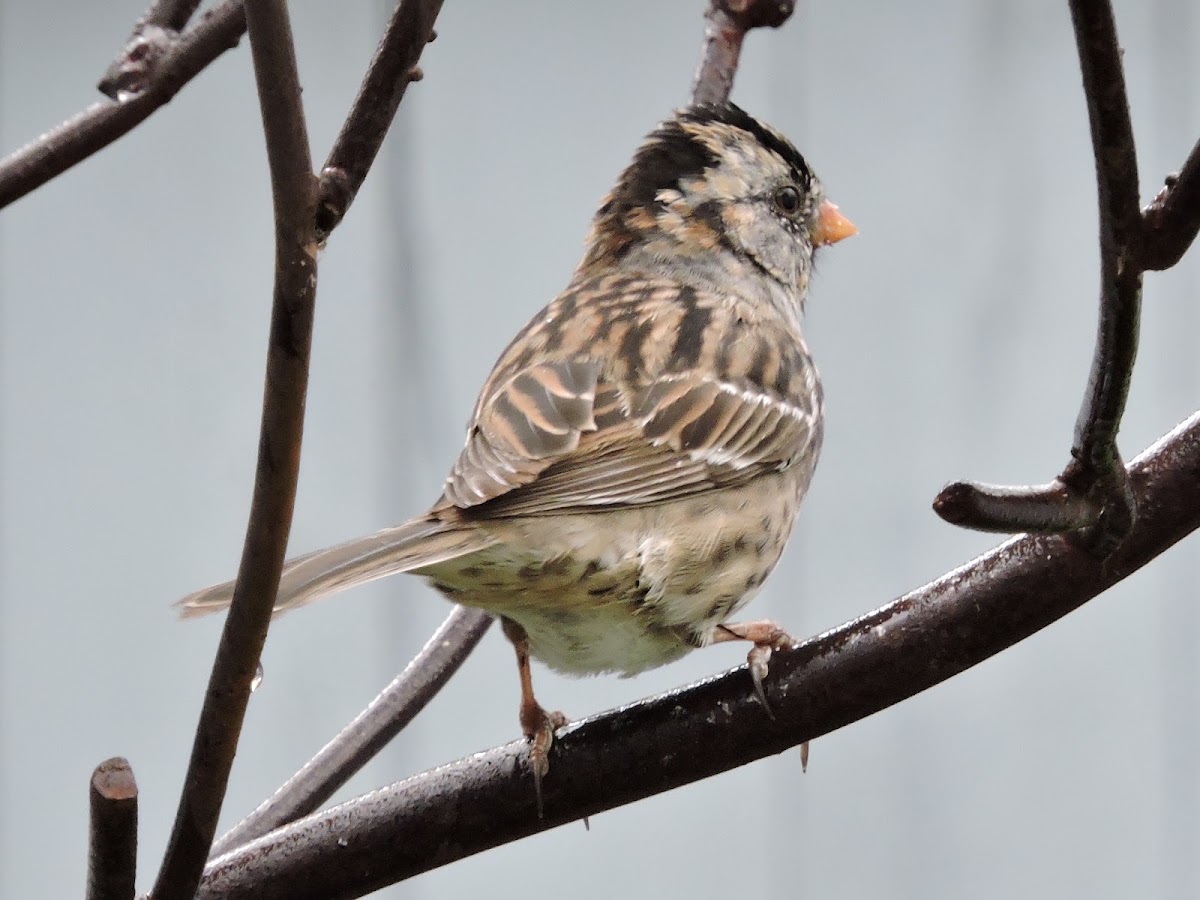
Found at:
[734, 116]
[670, 155]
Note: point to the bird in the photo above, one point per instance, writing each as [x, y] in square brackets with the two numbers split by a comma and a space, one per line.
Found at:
[636, 459]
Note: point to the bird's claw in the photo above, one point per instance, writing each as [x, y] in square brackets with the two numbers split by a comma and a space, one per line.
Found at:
[767, 637]
[539, 727]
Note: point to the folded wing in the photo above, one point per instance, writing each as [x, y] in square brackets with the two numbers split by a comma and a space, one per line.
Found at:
[559, 438]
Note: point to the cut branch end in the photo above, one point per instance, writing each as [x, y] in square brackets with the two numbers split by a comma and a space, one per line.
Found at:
[112, 839]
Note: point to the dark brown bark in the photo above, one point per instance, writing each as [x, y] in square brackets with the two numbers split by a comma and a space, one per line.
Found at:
[616, 758]
[293, 189]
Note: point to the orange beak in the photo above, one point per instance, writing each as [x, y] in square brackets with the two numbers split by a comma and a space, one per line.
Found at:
[832, 226]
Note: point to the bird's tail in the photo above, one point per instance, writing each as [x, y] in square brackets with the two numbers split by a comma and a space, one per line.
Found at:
[414, 545]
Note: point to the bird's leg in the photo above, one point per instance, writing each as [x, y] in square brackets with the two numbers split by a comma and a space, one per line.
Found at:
[537, 724]
[767, 637]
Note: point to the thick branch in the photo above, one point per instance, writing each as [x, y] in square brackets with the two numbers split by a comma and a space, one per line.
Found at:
[102, 123]
[1094, 480]
[369, 733]
[726, 24]
[1053, 508]
[112, 839]
[1172, 219]
[392, 69]
[293, 190]
[653, 746]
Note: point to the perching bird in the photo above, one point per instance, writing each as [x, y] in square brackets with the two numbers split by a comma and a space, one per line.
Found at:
[637, 457]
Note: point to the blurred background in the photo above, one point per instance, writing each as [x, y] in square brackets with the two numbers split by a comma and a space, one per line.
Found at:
[954, 336]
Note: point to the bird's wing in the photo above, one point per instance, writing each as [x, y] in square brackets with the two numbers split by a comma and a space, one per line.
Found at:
[559, 438]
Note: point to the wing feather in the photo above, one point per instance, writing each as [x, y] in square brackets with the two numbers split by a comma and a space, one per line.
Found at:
[537, 417]
[558, 438]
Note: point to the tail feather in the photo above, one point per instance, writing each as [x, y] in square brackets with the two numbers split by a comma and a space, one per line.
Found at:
[402, 548]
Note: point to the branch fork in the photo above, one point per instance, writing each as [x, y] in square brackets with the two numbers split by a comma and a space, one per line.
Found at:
[1091, 499]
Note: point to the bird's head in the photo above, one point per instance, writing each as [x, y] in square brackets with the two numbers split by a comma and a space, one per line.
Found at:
[716, 192]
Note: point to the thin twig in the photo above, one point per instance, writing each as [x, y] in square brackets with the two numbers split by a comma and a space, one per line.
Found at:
[173, 14]
[1172, 219]
[712, 726]
[293, 190]
[374, 727]
[112, 837]
[1094, 481]
[392, 69]
[156, 33]
[102, 123]
[726, 24]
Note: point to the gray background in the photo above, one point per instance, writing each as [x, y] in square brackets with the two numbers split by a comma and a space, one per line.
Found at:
[953, 335]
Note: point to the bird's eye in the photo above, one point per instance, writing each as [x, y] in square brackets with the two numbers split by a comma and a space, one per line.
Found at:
[787, 199]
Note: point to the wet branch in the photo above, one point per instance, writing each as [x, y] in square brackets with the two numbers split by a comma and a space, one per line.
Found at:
[112, 831]
[359, 742]
[1091, 496]
[102, 123]
[293, 189]
[156, 33]
[1172, 219]
[613, 759]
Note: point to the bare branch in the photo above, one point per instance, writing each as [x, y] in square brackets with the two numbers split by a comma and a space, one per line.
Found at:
[392, 69]
[1095, 478]
[173, 14]
[396, 706]
[102, 123]
[726, 24]
[112, 838]
[293, 189]
[712, 726]
[1044, 508]
[1172, 219]
[155, 34]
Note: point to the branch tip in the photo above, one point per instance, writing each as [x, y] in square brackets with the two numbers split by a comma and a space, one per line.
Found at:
[1040, 509]
[112, 831]
[131, 72]
[955, 503]
[750, 14]
[73, 141]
